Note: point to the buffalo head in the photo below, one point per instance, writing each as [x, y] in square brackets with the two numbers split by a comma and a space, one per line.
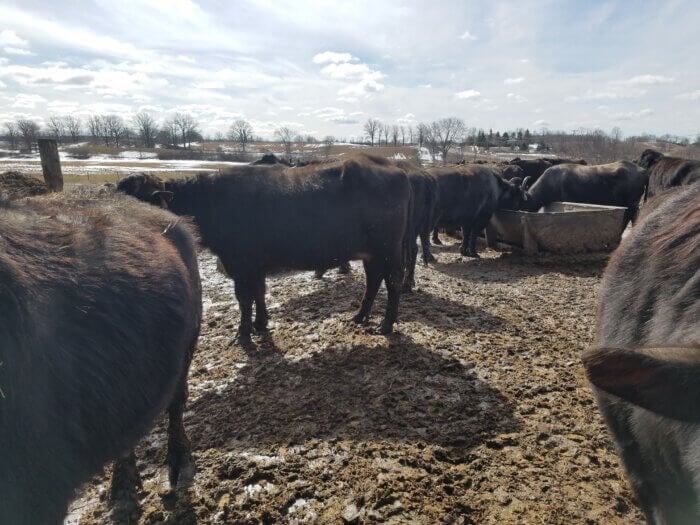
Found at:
[649, 157]
[146, 187]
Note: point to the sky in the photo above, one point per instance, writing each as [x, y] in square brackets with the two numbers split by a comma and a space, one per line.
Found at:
[325, 67]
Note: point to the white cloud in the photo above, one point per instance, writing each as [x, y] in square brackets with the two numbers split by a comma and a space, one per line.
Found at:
[10, 38]
[425, 86]
[27, 101]
[345, 70]
[211, 84]
[540, 123]
[517, 80]
[607, 95]
[632, 115]
[17, 51]
[331, 56]
[516, 98]
[2, 84]
[406, 119]
[369, 84]
[336, 115]
[467, 94]
[646, 80]
[693, 95]
[468, 36]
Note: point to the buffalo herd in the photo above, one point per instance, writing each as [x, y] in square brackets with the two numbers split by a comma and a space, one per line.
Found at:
[101, 301]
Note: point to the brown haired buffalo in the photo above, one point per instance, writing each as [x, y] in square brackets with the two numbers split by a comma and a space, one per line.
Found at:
[645, 368]
[667, 172]
[260, 219]
[101, 305]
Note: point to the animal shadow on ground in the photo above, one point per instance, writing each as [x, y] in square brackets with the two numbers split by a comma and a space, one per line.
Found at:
[343, 297]
[403, 392]
[514, 266]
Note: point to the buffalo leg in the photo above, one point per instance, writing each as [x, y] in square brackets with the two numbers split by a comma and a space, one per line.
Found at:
[425, 246]
[436, 239]
[373, 276]
[474, 229]
[393, 279]
[344, 267]
[245, 293]
[261, 316]
[180, 465]
[125, 479]
[410, 280]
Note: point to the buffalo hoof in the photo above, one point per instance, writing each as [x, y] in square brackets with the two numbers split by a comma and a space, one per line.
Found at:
[429, 258]
[344, 269]
[475, 255]
[182, 474]
[260, 326]
[318, 274]
[359, 319]
[243, 338]
[385, 328]
[437, 241]
[407, 287]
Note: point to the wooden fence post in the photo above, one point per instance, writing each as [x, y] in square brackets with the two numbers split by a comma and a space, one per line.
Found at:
[51, 164]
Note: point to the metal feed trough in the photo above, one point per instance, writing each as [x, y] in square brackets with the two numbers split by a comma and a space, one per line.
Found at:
[560, 227]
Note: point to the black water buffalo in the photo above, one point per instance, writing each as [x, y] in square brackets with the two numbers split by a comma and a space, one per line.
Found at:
[667, 172]
[424, 191]
[534, 168]
[645, 366]
[269, 159]
[101, 306]
[620, 183]
[467, 197]
[260, 219]
[425, 201]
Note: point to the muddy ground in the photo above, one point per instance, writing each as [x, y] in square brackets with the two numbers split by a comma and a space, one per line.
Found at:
[475, 411]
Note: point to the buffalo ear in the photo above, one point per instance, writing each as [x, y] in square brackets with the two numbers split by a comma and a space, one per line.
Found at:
[665, 381]
[167, 195]
[526, 183]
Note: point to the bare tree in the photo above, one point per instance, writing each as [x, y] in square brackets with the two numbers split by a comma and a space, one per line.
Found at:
[386, 130]
[29, 130]
[395, 134]
[113, 128]
[241, 132]
[402, 130]
[56, 127]
[94, 123]
[146, 128]
[285, 135]
[430, 140]
[328, 142]
[72, 125]
[372, 128]
[12, 134]
[421, 133]
[410, 134]
[187, 125]
[446, 133]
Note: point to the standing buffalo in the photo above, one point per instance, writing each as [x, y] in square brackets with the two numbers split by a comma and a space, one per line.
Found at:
[259, 219]
[532, 169]
[425, 201]
[620, 183]
[101, 306]
[467, 196]
[667, 172]
[645, 367]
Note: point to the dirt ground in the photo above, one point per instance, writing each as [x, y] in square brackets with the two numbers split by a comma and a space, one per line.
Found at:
[475, 411]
